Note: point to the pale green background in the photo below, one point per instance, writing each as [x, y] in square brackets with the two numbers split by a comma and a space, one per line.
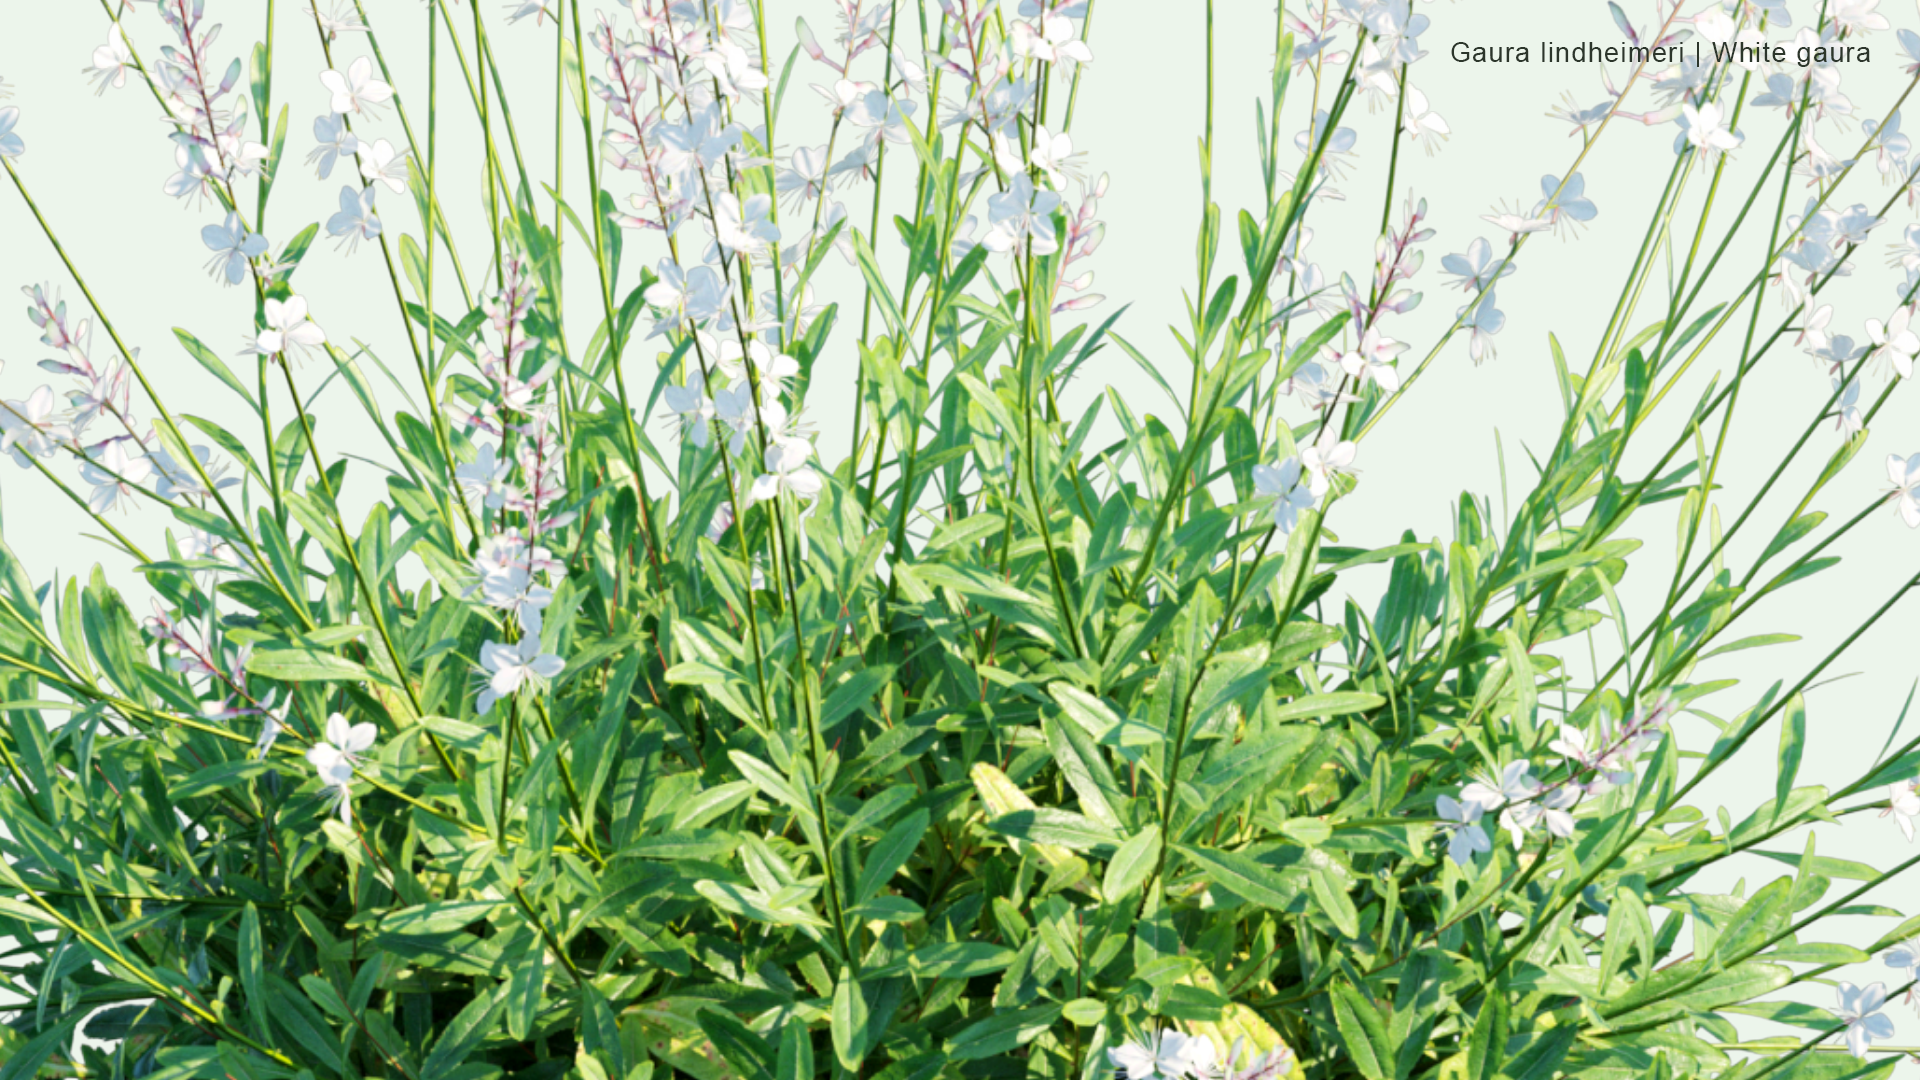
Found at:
[97, 166]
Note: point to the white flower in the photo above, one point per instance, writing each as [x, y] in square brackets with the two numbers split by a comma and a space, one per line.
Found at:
[1164, 1055]
[335, 756]
[1328, 455]
[508, 667]
[1019, 212]
[1897, 339]
[1905, 475]
[1051, 41]
[10, 144]
[1372, 359]
[335, 141]
[1476, 267]
[1053, 155]
[770, 369]
[1424, 126]
[1905, 957]
[1703, 128]
[744, 228]
[381, 162]
[535, 8]
[288, 325]
[787, 472]
[1855, 17]
[685, 296]
[1464, 820]
[805, 176]
[485, 478]
[1904, 805]
[110, 61]
[28, 427]
[1282, 483]
[357, 90]
[1514, 783]
[1860, 1008]
[356, 220]
[692, 408]
[114, 474]
[1484, 319]
[1554, 810]
[1847, 409]
[233, 248]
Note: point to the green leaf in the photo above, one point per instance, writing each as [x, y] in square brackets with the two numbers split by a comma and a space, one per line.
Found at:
[1062, 828]
[796, 1053]
[890, 854]
[211, 361]
[467, 1030]
[1337, 704]
[1254, 880]
[1361, 1031]
[1130, 865]
[1793, 746]
[306, 665]
[252, 973]
[850, 1017]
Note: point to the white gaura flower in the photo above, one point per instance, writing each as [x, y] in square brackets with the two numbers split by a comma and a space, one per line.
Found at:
[770, 369]
[535, 8]
[334, 757]
[1856, 17]
[335, 141]
[339, 21]
[1282, 484]
[356, 220]
[1053, 155]
[1021, 212]
[1163, 1055]
[484, 479]
[509, 667]
[1905, 958]
[1897, 339]
[1424, 126]
[1848, 418]
[1860, 1008]
[787, 472]
[1477, 267]
[1329, 455]
[692, 409]
[1703, 130]
[805, 177]
[382, 163]
[1555, 810]
[744, 227]
[10, 144]
[29, 427]
[1514, 783]
[1905, 475]
[357, 91]
[734, 408]
[1052, 41]
[684, 296]
[115, 474]
[110, 61]
[1484, 320]
[1372, 358]
[233, 248]
[1463, 819]
[1904, 805]
[288, 326]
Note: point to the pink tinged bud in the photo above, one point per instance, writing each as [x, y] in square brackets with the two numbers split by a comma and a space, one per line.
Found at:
[807, 41]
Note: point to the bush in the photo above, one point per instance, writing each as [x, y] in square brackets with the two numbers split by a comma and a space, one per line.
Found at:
[990, 751]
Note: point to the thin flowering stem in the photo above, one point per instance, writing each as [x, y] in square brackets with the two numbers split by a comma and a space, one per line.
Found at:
[406, 128]
[616, 341]
[368, 588]
[259, 562]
